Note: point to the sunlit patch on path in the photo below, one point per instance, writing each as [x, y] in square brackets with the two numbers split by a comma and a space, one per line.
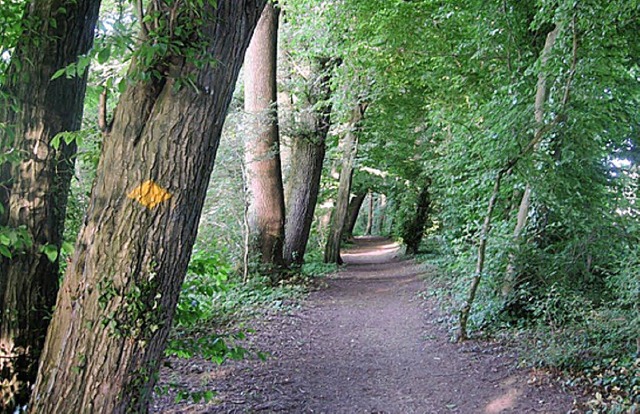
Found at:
[372, 250]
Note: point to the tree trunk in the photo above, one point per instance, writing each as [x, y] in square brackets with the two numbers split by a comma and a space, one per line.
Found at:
[510, 281]
[118, 296]
[539, 133]
[367, 230]
[414, 228]
[307, 157]
[531, 146]
[378, 225]
[39, 182]
[332, 248]
[352, 215]
[262, 148]
[482, 248]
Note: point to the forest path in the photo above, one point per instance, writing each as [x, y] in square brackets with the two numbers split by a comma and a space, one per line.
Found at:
[368, 343]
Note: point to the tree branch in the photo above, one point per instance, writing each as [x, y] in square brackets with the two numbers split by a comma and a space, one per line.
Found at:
[574, 60]
[143, 26]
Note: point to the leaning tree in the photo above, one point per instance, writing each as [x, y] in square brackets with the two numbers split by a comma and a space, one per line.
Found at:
[120, 290]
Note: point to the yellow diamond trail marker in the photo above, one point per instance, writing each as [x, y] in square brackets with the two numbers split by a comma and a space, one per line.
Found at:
[149, 194]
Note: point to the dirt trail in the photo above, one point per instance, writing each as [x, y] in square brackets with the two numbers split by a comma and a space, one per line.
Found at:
[368, 344]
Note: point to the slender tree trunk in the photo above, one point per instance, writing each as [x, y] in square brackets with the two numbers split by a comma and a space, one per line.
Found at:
[262, 147]
[352, 215]
[118, 296]
[378, 224]
[39, 183]
[307, 158]
[367, 230]
[482, 248]
[539, 133]
[414, 228]
[332, 248]
[510, 281]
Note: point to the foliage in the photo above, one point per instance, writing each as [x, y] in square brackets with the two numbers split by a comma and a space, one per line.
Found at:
[206, 281]
[11, 21]
[14, 240]
[614, 383]
[451, 88]
[454, 101]
[213, 297]
[215, 348]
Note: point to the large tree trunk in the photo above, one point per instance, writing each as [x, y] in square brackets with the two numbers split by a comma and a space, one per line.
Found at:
[510, 281]
[413, 229]
[350, 148]
[39, 183]
[307, 157]
[352, 215]
[262, 148]
[119, 293]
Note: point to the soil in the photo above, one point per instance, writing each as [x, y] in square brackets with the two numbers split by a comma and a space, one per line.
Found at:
[368, 342]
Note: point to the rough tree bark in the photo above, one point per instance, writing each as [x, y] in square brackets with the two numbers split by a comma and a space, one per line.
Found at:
[119, 293]
[413, 229]
[36, 196]
[352, 215]
[262, 148]
[350, 148]
[307, 156]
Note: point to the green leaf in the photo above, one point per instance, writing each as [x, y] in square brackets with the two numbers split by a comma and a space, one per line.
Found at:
[55, 142]
[67, 247]
[25, 237]
[71, 70]
[104, 54]
[122, 85]
[4, 251]
[58, 73]
[5, 240]
[208, 395]
[82, 65]
[50, 251]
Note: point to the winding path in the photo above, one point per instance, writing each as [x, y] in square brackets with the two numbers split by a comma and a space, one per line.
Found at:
[369, 344]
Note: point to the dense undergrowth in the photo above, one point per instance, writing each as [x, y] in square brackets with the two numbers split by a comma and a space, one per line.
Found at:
[587, 336]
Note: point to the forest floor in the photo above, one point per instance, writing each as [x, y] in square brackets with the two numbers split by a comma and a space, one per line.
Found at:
[368, 341]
